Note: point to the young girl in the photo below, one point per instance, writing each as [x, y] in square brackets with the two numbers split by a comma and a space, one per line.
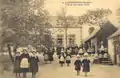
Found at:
[81, 53]
[68, 59]
[17, 65]
[78, 64]
[45, 56]
[34, 64]
[25, 62]
[62, 59]
[50, 55]
[86, 65]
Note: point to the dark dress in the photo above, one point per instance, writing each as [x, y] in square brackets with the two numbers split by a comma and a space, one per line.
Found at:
[26, 56]
[78, 65]
[50, 55]
[17, 64]
[76, 50]
[86, 65]
[34, 67]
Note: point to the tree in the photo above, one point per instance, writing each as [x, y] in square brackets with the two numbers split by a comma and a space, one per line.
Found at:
[65, 21]
[25, 22]
[95, 17]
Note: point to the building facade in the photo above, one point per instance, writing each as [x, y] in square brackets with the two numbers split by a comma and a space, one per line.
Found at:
[69, 37]
[114, 47]
[101, 35]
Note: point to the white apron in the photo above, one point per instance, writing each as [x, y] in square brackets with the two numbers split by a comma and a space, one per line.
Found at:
[24, 63]
[62, 58]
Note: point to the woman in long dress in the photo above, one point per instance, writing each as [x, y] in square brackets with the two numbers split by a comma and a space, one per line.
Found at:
[25, 62]
[86, 65]
[34, 64]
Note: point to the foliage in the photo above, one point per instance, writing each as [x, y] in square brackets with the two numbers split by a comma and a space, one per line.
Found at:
[25, 22]
[94, 17]
[64, 20]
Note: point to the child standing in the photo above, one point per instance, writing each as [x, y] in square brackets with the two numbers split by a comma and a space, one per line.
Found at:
[86, 65]
[17, 64]
[62, 59]
[34, 64]
[68, 59]
[46, 56]
[25, 62]
[78, 65]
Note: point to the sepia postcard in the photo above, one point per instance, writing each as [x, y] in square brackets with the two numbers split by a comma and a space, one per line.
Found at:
[59, 38]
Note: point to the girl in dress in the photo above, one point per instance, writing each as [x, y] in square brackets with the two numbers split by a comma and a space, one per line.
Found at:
[25, 62]
[45, 56]
[50, 55]
[86, 65]
[78, 64]
[68, 58]
[81, 53]
[61, 59]
[17, 65]
[34, 64]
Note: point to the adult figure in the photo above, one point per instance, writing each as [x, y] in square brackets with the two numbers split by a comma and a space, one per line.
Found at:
[25, 62]
[102, 49]
[34, 63]
[17, 64]
[50, 55]
[76, 49]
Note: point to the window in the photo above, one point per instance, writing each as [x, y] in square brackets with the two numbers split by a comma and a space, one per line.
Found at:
[71, 39]
[59, 39]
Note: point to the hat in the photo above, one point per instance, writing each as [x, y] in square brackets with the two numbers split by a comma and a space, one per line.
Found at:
[78, 56]
[86, 54]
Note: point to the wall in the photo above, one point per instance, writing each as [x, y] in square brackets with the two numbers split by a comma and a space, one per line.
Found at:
[111, 49]
[75, 31]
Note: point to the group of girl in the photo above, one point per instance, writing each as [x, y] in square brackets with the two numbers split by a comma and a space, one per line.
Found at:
[85, 64]
[65, 57]
[48, 55]
[24, 63]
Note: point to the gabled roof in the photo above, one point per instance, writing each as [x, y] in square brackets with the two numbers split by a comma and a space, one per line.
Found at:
[117, 33]
[94, 33]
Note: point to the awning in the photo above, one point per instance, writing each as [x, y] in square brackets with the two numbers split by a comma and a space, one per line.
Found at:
[117, 33]
[94, 33]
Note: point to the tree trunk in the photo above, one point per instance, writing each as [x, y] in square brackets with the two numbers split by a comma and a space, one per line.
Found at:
[10, 53]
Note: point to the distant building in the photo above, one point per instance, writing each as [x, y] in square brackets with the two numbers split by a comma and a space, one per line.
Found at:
[73, 36]
[114, 47]
[100, 35]
[58, 31]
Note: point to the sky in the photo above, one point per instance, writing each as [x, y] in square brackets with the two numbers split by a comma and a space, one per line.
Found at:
[55, 6]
